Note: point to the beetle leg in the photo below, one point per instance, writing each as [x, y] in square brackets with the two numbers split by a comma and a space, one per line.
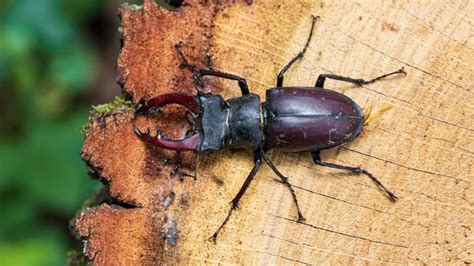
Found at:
[235, 201]
[359, 82]
[355, 170]
[200, 72]
[241, 81]
[285, 181]
[298, 56]
[179, 167]
[179, 170]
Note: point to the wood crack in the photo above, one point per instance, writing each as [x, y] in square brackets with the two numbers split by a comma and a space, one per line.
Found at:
[407, 64]
[341, 233]
[325, 250]
[406, 167]
[432, 27]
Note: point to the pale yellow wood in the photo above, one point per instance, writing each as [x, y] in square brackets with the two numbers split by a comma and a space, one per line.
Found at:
[422, 148]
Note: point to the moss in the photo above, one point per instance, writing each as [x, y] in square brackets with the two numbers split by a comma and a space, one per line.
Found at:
[134, 7]
[168, 5]
[85, 128]
[76, 258]
[119, 104]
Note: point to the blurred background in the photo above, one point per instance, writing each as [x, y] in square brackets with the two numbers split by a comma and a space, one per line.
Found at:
[57, 58]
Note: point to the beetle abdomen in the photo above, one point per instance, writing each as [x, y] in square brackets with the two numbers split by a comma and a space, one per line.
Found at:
[302, 119]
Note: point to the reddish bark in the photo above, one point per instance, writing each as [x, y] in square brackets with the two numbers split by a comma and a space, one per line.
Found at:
[133, 230]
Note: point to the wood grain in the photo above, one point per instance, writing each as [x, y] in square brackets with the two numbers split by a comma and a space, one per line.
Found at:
[421, 148]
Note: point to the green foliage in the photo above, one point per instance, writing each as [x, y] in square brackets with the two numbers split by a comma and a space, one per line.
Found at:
[135, 7]
[75, 257]
[48, 63]
[34, 251]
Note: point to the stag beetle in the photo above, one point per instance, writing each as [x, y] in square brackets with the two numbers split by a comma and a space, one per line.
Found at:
[293, 119]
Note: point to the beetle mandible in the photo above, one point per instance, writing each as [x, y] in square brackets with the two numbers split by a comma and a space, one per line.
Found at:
[293, 119]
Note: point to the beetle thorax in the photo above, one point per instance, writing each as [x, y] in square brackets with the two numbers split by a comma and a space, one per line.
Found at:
[235, 123]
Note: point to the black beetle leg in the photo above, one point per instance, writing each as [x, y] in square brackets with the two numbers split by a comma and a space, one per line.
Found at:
[285, 181]
[178, 167]
[235, 201]
[179, 170]
[191, 167]
[298, 56]
[241, 81]
[182, 173]
[359, 82]
[200, 72]
[355, 170]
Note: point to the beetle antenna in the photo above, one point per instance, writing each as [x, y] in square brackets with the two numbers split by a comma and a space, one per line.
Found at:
[184, 63]
[197, 81]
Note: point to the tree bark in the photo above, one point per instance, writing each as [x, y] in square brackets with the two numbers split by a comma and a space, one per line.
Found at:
[421, 148]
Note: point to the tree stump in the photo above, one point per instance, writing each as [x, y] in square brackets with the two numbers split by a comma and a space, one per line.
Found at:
[421, 147]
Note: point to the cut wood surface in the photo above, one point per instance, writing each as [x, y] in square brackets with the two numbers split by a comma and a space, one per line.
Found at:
[421, 147]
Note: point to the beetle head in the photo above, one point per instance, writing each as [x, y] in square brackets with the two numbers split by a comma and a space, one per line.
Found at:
[190, 102]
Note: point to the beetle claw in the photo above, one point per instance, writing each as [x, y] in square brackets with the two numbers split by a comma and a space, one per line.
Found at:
[402, 71]
[138, 132]
[301, 219]
[191, 143]
[189, 101]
